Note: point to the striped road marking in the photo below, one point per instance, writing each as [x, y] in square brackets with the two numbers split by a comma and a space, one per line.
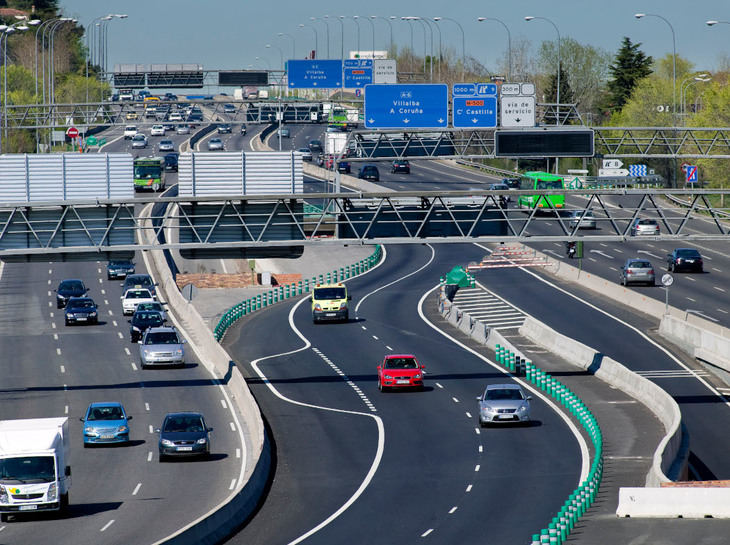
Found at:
[486, 307]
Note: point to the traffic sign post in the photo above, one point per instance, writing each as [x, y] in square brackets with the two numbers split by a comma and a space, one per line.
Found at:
[474, 105]
[358, 73]
[401, 106]
[309, 74]
[667, 280]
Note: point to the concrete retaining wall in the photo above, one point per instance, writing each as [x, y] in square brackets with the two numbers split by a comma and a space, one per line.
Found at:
[698, 340]
[674, 502]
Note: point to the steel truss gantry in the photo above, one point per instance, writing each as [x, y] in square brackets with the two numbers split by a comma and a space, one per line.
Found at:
[217, 223]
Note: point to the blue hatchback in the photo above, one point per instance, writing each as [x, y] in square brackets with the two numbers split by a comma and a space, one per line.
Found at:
[105, 422]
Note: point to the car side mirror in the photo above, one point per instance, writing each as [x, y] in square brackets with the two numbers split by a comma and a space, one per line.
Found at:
[209, 429]
[529, 398]
[129, 417]
[479, 398]
[67, 471]
[157, 430]
[422, 366]
[349, 297]
[121, 296]
[379, 367]
[82, 419]
[184, 341]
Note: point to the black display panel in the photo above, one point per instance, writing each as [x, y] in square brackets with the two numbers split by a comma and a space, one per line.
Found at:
[243, 77]
[544, 143]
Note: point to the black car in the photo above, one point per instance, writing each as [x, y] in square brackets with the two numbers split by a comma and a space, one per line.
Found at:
[184, 434]
[119, 269]
[170, 96]
[315, 145]
[81, 310]
[512, 183]
[400, 166]
[224, 128]
[67, 289]
[171, 161]
[687, 259]
[139, 281]
[343, 167]
[243, 129]
[369, 172]
[141, 321]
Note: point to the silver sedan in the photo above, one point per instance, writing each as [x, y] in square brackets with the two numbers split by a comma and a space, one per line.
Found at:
[215, 144]
[161, 346]
[503, 404]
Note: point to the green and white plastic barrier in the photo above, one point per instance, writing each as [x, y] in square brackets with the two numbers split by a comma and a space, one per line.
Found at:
[583, 496]
[280, 293]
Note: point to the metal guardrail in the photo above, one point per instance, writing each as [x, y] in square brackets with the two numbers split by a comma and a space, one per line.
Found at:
[258, 302]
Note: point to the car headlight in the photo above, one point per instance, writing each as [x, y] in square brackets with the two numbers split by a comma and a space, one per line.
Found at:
[487, 409]
[417, 375]
[92, 313]
[167, 443]
[178, 352]
[135, 328]
[89, 431]
[145, 352]
[202, 441]
[343, 305]
[4, 494]
[388, 377]
[52, 492]
[523, 408]
[317, 306]
[123, 429]
[69, 315]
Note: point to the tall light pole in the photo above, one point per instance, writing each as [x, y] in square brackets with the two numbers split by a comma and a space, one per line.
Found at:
[411, 19]
[438, 29]
[281, 58]
[326, 29]
[373, 17]
[372, 30]
[357, 24]
[687, 83]
[35, 53]
[509, 43]
[674, 56]
[52, 67]
[531, 18]
[293, 43]
[316, 44]
[463, 42]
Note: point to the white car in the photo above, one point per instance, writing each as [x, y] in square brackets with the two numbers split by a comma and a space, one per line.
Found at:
[174, 116]
[130, 131]
[133, 297]
[157, 130]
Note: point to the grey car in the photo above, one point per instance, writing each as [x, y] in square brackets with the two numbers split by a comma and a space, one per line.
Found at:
[583, 219]
[166, 145]
[184, 434]
[182, 129]
[139, 141]
[161, 346]
[503, 404]
[215, 144]
[637, 271]
[643, 226]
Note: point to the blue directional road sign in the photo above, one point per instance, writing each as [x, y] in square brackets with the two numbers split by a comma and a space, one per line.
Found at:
[401, 106]
[474, 105]
[692, 175]
[358, 72]
[314, 74]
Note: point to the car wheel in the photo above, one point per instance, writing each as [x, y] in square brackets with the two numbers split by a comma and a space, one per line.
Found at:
[347, 317]
[162, 458]
[64, 502]
[670, 267]
[623, 281]
[66, 321]
[482, 424]
[109, 277]
[5, 517]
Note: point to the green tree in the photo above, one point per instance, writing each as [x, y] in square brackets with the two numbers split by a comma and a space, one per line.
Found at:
[566, 92]
[630, 66]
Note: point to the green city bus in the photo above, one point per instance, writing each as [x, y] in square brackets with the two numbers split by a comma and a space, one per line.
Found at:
[338, 117]
[541, 181]
[149, 173]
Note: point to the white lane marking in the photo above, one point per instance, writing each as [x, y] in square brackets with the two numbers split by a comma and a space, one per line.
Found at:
[65, 410]
[378, 421]
[50, 271]
[149, 456]
[106, 301]
[136, 489]
[114, 323]
[477, 467]
[233, 426]
[49, 294]
[55, 336]
[51, 314]
[103, 292]
[50, 304]
[49, 281]
[223, 403]
[103, 528]
[53, 326]
[477, 431]
[438, 385]
[110, 313]
[388, 347]
[238, 453]
[374, 337]
[233, 482]
[693, 300]
[120, 334]
[424, 534]
[691, 279]
[58, 351]
[151, 429]
[361, 301]
[127, 352]
[481, 448]
[452, 510]
[585, 455]
[65, 387]
[722, 310]
[594, 260]
[134, 366]
[613, 269]
[716, 269]
[468, 414]
[63, 369]
[719, 289]
[455, 400]
[468, 488]
[365, 328]
[146, 406]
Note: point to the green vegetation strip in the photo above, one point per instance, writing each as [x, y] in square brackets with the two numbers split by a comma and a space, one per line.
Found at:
[582, 497]
[280, 293]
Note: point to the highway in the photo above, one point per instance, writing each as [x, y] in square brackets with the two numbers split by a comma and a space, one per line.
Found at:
[430, 471]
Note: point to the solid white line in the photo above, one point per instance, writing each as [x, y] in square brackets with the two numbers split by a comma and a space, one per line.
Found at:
[361, 301]
[424, 534]
[585, 455]
[378, 421]
[103, 528]
[136, 489]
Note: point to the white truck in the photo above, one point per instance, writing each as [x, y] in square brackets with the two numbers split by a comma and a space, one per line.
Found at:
[34, 470]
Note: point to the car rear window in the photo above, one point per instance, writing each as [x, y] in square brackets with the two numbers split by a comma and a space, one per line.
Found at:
[81, 303]
[647, 222]
[139, 294]
[640, 265]
[105, 413]
[688, 253]
[184, 424]
[71, 286]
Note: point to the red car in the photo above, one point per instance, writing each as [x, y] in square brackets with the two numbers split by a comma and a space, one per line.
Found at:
[400, 371]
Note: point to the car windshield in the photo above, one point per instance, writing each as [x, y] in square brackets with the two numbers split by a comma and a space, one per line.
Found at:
[81, 303]
[162, 337]
[549, 184]
[401, 363]
[71, 285]
[138, 281]
[138, 137]
[27, 469]
[131, 128]
[166, 142]
[369, 170]
[138, 294]
[146, 172]
[640, 265]
[148, 318]
[183, 424]
[688, 253]
[105, 413]
[120, 263]
[503, 393]
[329, 293]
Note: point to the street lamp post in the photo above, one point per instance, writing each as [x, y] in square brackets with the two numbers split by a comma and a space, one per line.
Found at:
[372, 30]
[293, 43]
[438, 29]
[357, 24]
[281, 59]
[686, 84]
[410, 20]
[463, 42]
[6, 32]
[509, 43]
[373, 17]
[316, 44]
[327, 31]
[674, 56]
[531, 18]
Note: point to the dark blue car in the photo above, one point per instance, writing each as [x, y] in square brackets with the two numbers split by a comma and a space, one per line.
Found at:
[67, 289]
[184, 434]
[119, 269]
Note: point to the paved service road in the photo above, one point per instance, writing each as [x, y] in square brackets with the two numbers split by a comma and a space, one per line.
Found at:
[430, 471]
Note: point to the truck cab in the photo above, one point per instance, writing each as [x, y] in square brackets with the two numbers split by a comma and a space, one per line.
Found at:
[330, 302]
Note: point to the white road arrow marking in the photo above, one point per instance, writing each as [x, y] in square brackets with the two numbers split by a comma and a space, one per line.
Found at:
[599, 252]
[648, 253]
